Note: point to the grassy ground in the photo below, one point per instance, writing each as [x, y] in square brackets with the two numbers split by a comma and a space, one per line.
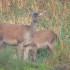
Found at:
[57, 18]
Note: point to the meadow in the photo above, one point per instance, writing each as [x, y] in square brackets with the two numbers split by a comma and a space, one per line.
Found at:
[56, 18]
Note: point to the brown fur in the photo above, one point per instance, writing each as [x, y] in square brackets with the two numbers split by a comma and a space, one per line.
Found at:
[43, 39]
[13, 34]
[19, 35]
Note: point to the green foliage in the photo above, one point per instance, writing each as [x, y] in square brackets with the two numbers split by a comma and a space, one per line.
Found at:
[7, 62]
[56, 18]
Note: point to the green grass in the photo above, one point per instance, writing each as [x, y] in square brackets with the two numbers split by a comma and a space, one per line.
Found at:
[56, 18]
[7, 62]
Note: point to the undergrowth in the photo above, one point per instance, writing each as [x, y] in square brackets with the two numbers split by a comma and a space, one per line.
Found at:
[56, 18]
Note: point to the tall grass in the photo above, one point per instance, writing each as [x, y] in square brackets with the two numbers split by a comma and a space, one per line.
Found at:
[57, 18]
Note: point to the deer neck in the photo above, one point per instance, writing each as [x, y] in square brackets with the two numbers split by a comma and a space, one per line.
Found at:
[34, 25]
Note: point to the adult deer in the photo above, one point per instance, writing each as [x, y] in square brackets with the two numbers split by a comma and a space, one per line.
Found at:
[42, 39]
[35, 20]
[19, 35]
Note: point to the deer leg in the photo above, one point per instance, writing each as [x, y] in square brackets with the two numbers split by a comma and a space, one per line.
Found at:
[34, 50]
[1, 42]
[26, 51]
[34, 54]
[2, 45]
[20, 49]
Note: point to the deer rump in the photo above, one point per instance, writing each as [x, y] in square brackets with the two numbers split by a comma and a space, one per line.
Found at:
[13, 34]
[44, 38]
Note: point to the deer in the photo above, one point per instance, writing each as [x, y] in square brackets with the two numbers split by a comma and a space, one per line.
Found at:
[18, 34]
[42, 39]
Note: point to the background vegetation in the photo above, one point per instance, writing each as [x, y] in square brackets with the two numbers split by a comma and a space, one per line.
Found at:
[56, 18]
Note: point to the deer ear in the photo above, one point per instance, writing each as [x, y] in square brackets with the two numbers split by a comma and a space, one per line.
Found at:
[42, 12]
[31, 10]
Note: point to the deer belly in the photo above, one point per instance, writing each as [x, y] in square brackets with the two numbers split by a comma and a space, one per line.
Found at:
[43, 45]
[10, 42]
